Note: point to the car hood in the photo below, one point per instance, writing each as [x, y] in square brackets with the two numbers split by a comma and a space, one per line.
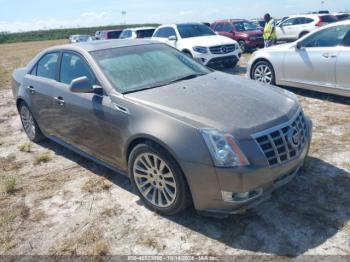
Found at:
[217, 100]
[208, 41]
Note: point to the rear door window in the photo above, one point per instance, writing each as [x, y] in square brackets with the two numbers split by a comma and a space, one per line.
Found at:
[47, 66]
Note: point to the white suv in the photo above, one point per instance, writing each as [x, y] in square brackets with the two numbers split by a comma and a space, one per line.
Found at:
[138, 32]
[200, 42]
[296, 26]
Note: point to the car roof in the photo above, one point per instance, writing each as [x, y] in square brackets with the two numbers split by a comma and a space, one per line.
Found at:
[102, 44]
[113, 30]
[140, 28]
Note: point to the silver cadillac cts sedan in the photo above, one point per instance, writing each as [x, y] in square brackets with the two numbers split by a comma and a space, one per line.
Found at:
[181, 132]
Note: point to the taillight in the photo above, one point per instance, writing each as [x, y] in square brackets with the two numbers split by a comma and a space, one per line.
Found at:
[318, 23]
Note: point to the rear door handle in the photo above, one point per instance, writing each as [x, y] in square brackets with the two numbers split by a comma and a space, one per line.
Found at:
[31, 89]
[59, 100]
[329, 55]
[326, 55]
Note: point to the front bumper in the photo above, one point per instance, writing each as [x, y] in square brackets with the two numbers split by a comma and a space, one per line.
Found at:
[209, 184]
[214, 60]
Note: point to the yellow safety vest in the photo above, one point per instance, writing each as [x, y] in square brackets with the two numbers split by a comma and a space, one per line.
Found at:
[269, 31]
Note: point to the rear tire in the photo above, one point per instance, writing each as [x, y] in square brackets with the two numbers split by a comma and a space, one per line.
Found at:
[263, 72]
[158, 180]
[29, 124]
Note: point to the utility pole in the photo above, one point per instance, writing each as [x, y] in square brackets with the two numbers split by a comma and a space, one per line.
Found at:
[322, 4]
[124, 15]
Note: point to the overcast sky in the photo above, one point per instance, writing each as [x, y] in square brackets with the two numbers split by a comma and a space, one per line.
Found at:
[26, 15]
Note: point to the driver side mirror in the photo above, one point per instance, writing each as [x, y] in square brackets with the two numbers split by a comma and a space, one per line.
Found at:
[299, 46]
[83, 85]
[233, 33]
[172, 38]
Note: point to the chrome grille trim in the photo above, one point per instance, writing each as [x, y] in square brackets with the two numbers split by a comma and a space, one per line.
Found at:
[275, 144]
[220, 49]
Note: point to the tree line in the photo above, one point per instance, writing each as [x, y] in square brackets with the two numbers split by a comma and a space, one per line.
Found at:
[52, 34]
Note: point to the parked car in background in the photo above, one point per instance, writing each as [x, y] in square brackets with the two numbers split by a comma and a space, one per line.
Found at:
[342, 16]
[79, 38]
[259, 22]
[181, 133]
[110, 34]
[279, 21]
[97, 35]
[246, 33]
[296, 26]
[200, 42]
[319, 61]
[139, 32]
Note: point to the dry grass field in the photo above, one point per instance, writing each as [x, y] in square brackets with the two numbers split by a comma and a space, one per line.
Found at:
[53, 201]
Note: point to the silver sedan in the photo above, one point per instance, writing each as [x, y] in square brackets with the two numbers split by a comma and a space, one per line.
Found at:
[319, 61]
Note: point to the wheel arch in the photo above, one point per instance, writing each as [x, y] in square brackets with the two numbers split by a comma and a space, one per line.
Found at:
[261, 59]
[144, 139]
[303, 33]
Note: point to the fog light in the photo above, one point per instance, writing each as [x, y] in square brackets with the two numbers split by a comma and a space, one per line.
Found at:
[241, 197]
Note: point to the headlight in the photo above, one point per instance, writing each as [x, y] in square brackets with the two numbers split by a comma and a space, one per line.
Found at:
[223, 149]
[200, 49]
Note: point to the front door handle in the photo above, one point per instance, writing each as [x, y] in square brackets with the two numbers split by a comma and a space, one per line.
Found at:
[31, 89]
[326, 55]
[59, 100]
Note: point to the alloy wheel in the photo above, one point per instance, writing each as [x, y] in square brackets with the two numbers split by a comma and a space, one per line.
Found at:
[28, 122]
[263, 73]
[155, 180]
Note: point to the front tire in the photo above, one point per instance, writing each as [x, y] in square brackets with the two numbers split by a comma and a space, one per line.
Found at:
[29, 124]
[158, 180]
[263, 72]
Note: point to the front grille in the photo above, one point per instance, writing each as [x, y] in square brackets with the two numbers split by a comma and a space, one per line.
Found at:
[222, 49]
[285, 142]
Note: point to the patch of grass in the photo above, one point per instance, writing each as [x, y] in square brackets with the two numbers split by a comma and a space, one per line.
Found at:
[9, 184]
[9, 163]
[346, 164]
[101, 249]
[148, 242]
[95, 185]
[90, 241]
[346, 135]
[25, 147]
[41, 158]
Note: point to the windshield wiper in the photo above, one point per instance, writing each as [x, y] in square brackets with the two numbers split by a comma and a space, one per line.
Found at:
[186, 78]
[167, 83]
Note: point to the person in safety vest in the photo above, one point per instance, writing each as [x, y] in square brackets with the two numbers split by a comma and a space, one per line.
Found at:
[269, 31]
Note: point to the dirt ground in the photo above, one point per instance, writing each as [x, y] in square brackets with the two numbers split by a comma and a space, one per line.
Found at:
[53, 201]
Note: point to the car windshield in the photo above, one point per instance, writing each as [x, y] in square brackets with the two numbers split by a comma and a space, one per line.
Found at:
[245, 26]
[136, 68]
[193, 30]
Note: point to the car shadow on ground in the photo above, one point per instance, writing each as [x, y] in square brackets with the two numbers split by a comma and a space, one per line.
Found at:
[302, 215]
